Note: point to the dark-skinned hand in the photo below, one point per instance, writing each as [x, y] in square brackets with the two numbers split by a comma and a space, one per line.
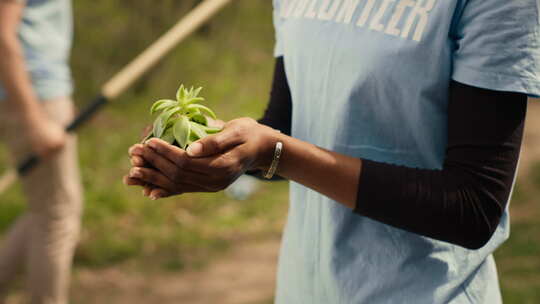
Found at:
[210, 164]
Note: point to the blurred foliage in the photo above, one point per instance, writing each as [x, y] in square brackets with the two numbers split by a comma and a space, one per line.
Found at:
[518, 260]
[231, 57]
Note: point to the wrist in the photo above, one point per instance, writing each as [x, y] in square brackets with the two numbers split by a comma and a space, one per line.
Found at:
[267, 148]
[28, 109]
[32, 119]
[34, 124]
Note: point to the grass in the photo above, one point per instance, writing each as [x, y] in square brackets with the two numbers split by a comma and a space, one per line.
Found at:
[518, 259]
[232, 58]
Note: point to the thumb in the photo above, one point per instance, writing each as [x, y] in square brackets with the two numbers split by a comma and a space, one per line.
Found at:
[214, 144]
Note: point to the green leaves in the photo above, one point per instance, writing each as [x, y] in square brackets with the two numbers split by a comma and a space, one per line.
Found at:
[186, 97]
[181, 131]
[182, 121]
[197, 130]
[159, 125]
[199, 118]
[181, 93]
[162, 104]
[162, 121]
[168, 135]
[203, 110]
[212, 130]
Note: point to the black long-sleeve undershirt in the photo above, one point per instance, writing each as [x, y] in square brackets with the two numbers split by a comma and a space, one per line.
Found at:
[278, 113]
[460, 204]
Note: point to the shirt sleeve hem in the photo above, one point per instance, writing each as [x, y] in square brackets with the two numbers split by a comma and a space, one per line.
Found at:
[496, 81]
[278, 52]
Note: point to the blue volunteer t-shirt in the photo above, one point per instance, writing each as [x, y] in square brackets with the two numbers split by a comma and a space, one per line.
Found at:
[45, 32]
[369, 79]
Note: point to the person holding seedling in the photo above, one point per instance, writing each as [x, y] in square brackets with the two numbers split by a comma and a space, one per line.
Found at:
[35, 105]
[401, 124]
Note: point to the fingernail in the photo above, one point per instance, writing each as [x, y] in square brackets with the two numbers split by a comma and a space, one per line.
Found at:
[139, 162]
[151, 143]
[194, 149]
[136, 173]
[154, 197]
[135, 151]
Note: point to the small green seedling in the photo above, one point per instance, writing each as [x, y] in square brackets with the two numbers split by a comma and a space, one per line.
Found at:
[182, 121]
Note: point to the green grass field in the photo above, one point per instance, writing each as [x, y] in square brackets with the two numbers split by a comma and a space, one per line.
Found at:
[231, 58]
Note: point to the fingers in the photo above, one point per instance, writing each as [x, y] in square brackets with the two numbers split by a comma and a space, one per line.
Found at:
[150, 191]
[158, 193]
[195, 173]
[135, 149]
[128, 181]
[218, 143]
[137, 161]
[151, 176]
[172, 153]
[147, 190]
[159, 162]
[217, 123]
[158, 180]
[210, 173]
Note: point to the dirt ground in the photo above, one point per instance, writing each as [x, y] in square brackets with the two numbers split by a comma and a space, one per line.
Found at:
[244, 275]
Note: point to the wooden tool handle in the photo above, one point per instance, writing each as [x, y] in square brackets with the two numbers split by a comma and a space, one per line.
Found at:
[156, 51]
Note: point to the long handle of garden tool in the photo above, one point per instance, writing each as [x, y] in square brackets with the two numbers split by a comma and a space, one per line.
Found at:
[128, 75]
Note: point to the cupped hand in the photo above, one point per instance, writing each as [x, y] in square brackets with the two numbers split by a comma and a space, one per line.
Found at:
[208, 165]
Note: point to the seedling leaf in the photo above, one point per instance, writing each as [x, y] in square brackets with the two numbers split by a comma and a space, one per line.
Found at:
[194, 100]
[184, 120]
[180, 94]
[159, 125]
[181, 131]
[197, 130]
[162, 121]
[199, 118]
[168, 136]
[162, 104]
[196, 92]
[147, 137]
[203, 109]
[211, 130]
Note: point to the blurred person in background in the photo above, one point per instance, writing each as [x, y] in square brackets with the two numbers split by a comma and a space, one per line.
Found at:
[401, 126]
[35, 102]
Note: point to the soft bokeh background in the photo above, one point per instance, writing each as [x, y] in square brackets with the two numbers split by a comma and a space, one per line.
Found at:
[205, 248]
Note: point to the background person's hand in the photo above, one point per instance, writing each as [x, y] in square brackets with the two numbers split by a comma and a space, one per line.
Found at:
[209, 165]
[46, 137]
